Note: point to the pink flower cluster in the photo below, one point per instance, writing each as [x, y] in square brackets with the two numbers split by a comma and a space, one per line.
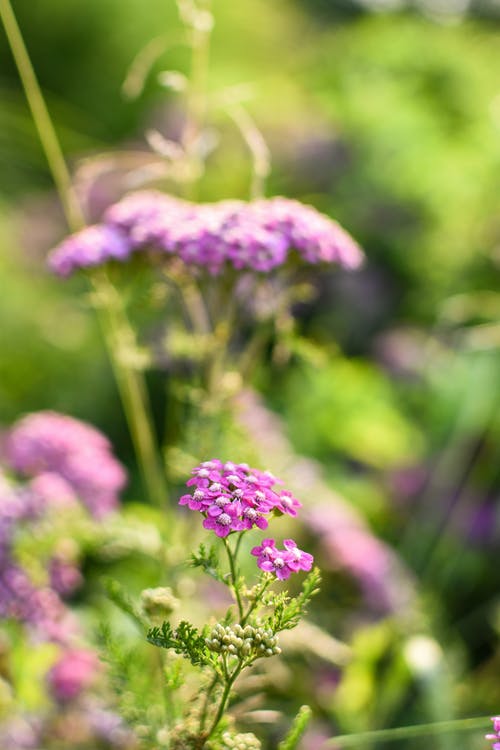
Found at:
[234, 497]
[66, 458]
[496, 733]
[283, 562]
[258, 235]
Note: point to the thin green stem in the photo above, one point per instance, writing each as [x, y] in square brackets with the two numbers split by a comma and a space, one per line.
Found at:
[208, 695]
[41, 118]
[232, 567]
[256, 600]
[121, 341]
[118, 334]
[238, 545]
[257, 146]
[224, 699]
[399, 733]
[201, 28]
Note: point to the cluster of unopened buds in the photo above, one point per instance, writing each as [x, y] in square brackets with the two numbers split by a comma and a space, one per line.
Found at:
[495, 736]
[242, 741]
[243, 642]
[234, 498]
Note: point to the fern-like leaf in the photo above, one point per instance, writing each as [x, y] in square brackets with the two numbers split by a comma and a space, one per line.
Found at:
[184, 640]
[207, 559]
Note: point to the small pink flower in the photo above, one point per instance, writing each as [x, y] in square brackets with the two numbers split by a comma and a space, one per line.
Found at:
[282, 562]
[296, 558]
[287, 503]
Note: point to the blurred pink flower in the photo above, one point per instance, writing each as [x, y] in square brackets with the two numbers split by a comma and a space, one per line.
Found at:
[74, 673]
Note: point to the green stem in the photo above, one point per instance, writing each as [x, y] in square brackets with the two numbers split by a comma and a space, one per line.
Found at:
[121, 342]
[234, 579]
[208, 694]
[255, 602]
[398, 733]
[112, 316]
[238, 544]
[223, 702]
[197, 97]
[41, 118]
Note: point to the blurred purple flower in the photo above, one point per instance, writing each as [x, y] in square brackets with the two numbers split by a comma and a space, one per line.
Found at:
[259, 235]
[40, 609]
[21, 733]
[65, 577]
[49, 442]
[54, 490]
[92, 246]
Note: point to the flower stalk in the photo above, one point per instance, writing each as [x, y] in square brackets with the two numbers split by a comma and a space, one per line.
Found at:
[112, 316]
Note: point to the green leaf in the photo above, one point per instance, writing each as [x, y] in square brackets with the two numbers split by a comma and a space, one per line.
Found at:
[288, 611]
[207, 560]
[297, 729]
[184, 640]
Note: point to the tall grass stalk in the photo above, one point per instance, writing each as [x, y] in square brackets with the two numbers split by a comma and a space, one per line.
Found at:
[118, 333]
[405, 733]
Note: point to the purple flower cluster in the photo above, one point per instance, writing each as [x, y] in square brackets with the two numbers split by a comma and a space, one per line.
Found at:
[495, 736]
[92, 246]
[234, 497]
[65, 461]
[40, 608]
[66, 457]
[283, 562]
[258, 235]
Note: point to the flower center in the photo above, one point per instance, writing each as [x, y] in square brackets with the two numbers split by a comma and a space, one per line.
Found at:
[224, 519]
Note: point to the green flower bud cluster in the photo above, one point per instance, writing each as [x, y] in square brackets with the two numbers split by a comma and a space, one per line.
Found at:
[243, 642]
[239, 742]
[158, 603]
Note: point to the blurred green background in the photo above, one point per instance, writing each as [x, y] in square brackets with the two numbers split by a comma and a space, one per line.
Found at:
[385, 115]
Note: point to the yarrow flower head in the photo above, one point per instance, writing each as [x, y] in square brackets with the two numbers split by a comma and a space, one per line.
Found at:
[45, 444]
[282, 562]
[258, 236]
[496, 733]
[92, 246]
[235, 497]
